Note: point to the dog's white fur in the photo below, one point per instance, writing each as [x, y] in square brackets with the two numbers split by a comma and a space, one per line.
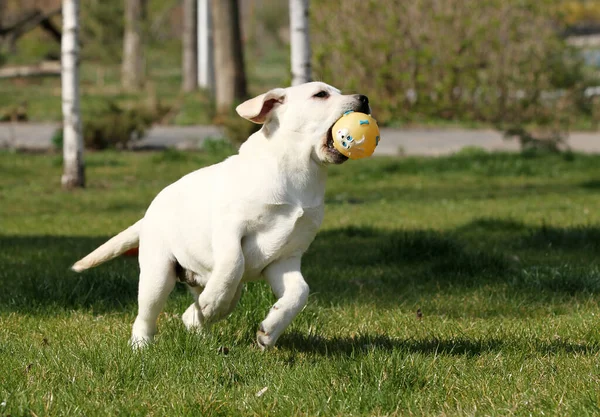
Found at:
[249, 217]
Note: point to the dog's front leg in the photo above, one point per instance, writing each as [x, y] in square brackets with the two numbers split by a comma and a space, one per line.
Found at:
[221, 288]
[193, 319]
[291, 291]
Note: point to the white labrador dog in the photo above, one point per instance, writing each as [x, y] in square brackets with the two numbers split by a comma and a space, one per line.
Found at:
[249, 217]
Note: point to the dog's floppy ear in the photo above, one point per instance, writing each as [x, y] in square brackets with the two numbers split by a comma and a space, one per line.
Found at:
[257, 109]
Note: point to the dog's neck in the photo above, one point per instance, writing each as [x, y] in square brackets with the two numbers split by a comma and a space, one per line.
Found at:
[290, 155]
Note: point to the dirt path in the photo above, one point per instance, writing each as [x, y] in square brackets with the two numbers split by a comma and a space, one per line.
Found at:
[38, 137]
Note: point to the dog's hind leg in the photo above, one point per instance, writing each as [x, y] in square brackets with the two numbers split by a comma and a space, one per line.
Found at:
[157, 279]
[291, 291]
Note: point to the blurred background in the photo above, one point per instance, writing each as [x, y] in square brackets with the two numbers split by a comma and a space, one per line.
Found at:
[527, 68]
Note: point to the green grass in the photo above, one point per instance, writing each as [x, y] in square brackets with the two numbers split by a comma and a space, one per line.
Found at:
[500, 253]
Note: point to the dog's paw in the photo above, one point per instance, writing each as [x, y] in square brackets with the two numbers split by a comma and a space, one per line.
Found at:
[138, 342]
[193, 319]
[212, 308]
[264, 339]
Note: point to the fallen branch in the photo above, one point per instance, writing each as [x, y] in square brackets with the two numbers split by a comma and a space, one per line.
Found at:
[48, 68]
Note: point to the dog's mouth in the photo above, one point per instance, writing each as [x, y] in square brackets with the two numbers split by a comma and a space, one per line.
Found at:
[334, 156]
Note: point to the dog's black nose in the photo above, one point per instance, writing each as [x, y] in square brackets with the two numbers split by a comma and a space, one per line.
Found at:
[364, 103]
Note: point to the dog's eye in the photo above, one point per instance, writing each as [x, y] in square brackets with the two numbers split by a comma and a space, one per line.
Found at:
[322, 94]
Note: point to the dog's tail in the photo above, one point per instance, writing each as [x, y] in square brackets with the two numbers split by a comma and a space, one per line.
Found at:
[127, 239]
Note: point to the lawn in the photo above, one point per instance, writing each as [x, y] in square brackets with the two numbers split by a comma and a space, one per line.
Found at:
[499, 252]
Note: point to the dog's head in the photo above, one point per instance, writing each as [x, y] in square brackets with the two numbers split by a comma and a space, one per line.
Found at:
[306, 112]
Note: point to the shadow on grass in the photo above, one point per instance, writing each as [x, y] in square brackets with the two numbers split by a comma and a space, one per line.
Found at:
[392, 265]
[342, 265]
[521, 236]
[349, 346]
[35, 275]
[591, 185]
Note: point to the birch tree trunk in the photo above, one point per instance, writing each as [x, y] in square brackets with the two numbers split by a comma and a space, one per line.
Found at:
[229, 58]
[190, 46]
[132, 71]
[73, 171]
[300, 42]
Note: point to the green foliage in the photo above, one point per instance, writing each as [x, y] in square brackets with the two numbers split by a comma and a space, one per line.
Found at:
[574, 12]
[498, 251]
[113, 126]
[553, 141]
[494, 61]
[102, 28]
[566, 68]
[236, 128]
[57, 139]
[265, 25]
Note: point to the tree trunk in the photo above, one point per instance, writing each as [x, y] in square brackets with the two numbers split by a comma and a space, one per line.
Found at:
[229, 59]
[190, 46]
[206, 56]
[132, 71]
[2, 13]
[300, 42]
[73, 174]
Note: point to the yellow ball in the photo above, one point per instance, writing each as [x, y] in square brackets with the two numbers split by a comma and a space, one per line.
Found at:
[355, 135]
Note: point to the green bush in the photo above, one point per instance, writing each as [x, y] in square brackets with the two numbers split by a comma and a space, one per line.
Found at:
[57, 139]
[490, 61]
[235, 128]
[115, 127]
[111, 126]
